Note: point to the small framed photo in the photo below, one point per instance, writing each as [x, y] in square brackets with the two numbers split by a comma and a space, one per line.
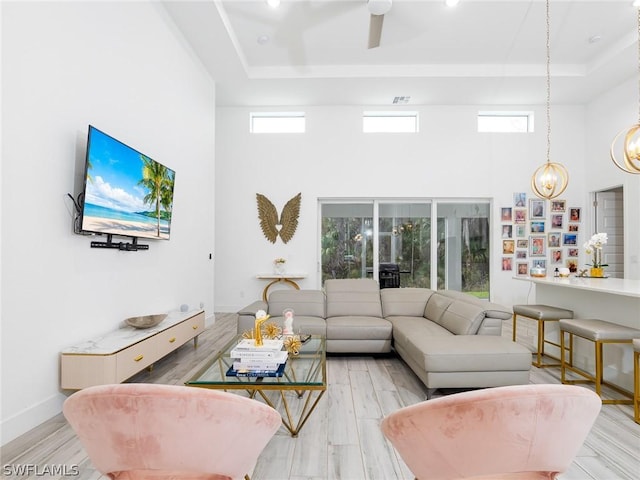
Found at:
[575, 214]
[554, 239]
[507, 264]
[573, 227]
[572, 252]
[556, 255]
[522, 268]
[521, 232]
[523, 244]
[537, 227]
[520, 199]
[521, 254]
[506, 214]
[572, 265]
[519, 215]
[508, 247]
[507, 231]
[557, 220]
[537, 246]
[536, 208]
[569, 239]
[558, 206]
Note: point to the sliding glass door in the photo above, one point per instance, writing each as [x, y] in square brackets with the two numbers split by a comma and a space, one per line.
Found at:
[395, 242]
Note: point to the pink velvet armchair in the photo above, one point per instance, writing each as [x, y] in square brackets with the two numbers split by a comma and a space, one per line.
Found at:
[516, 432]
[135, 431]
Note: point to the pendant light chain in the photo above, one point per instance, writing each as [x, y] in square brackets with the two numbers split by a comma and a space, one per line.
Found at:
[549, 85]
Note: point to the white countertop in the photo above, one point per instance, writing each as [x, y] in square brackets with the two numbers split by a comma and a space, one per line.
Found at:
[125, 336]
[615, 286]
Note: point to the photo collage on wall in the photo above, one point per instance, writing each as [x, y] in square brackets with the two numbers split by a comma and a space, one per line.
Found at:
[534, 237]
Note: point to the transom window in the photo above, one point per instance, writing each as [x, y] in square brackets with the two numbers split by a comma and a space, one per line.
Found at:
[279, 122]
[505, 122]
[390, 122]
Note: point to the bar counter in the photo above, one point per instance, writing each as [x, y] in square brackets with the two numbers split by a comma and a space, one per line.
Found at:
[615, 300]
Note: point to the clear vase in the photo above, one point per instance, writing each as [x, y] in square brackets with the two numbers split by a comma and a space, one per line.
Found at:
[278, 268]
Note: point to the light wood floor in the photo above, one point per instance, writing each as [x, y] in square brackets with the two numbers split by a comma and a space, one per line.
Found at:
[342, 439]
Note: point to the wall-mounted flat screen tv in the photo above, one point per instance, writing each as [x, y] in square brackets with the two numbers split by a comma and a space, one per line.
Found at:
[125, 192]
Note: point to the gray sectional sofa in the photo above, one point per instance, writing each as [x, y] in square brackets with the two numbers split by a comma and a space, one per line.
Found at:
[449, 339]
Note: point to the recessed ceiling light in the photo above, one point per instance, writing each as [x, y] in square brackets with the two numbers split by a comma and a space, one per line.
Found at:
[636, 3]
[453, 3]
[273, 3]
[263, 39]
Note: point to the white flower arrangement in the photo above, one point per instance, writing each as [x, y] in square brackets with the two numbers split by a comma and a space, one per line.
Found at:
[594, 246]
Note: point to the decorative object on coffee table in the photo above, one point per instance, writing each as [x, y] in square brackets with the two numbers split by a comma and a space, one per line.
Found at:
[273, 226]
[145, 321]
[293, 344]
[261, 317]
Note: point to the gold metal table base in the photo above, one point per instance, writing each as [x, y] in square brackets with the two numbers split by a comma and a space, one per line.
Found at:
[288, 421]
[278, 280]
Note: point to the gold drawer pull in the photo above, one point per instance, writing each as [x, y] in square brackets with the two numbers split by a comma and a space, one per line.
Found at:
[171, 340]
[195, 327]
[138, 358]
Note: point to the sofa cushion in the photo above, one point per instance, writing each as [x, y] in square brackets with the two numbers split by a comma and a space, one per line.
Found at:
[308, 303]
[405, 328]
[404, 301]
[436, 306]
[468, 353]
[354, 327]
[353, 296]
[491, 309]
[462, 318]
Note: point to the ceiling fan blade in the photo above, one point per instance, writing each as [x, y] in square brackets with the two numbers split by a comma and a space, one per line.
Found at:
[375, 30]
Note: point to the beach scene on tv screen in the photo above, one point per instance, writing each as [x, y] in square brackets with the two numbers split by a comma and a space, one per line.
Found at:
[126, 193]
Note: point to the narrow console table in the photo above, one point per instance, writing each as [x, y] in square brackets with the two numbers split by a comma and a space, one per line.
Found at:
[120, 354]
[275, 278]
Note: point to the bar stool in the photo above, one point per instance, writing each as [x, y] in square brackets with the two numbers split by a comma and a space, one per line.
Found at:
[636, 379]
[542, 314]
[599, 332]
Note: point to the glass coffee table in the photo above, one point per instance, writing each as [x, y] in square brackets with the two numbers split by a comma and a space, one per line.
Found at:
[304, 376]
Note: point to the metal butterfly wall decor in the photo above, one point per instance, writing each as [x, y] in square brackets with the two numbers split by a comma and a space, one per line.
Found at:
[272, 225]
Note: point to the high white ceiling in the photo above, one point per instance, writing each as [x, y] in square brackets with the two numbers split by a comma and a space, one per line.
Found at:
[314, 52]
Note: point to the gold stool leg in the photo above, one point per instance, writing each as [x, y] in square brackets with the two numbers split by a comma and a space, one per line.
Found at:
[514, 327]
[562, 357]
[598, 368]
[636, 386]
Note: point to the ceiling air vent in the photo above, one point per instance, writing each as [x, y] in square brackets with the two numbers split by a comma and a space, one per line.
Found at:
[401, 100]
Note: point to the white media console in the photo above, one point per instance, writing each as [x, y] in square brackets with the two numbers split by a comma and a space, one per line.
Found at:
[120, 354]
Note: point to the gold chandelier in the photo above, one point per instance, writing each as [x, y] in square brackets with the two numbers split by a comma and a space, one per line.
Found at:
[630, 161]
[552, 178]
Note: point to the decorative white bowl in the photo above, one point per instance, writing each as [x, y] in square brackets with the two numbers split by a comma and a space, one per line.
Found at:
[145, 321]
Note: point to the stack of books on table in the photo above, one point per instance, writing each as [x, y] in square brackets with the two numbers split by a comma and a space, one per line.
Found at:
[249, 360]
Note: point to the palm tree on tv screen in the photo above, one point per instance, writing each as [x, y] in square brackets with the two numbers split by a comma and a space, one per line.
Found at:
[158, 181]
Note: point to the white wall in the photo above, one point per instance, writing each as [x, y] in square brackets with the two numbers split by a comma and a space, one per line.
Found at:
[122, 68]
[447, 159]
[609, 114]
